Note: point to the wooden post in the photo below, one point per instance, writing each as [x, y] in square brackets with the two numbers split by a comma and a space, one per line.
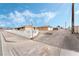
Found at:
[72, 18]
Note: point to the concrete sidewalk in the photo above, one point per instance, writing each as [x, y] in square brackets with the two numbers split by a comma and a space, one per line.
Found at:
[21, 46]
[26, 33]
[1, 53]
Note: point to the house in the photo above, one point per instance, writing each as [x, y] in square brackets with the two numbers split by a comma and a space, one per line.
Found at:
[29, 27]
[20, 28]
[57, 28]
[43, 28]
[76, 29]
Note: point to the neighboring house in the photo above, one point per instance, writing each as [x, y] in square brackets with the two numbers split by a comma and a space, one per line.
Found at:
[43, 28]
[20, 28]
[76, 29]
[50, 28]
[57, 28]
[29, 27]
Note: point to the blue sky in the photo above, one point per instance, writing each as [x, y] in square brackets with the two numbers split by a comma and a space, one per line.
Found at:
[39, 14]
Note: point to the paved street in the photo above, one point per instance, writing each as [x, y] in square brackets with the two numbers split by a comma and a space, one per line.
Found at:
[50, 43]
[62, 39]
[20, 46]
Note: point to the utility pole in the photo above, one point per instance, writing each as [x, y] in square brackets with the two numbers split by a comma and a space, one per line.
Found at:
[65, 24]
[32, 30]
[72, 16]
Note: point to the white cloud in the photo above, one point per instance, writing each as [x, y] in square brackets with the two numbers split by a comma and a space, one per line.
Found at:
[16, 17]
[2, 25]
[77, 12]
[27, 15]
[48, 15]
[2, 16]
[24, 17]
